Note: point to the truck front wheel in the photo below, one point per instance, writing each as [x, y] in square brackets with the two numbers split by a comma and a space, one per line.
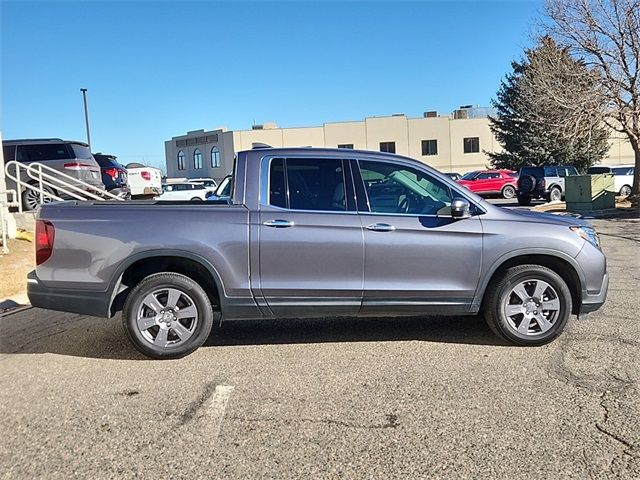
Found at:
[167, 315]
[528, 305]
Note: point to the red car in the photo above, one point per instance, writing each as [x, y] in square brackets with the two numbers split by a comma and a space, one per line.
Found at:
[491, 182]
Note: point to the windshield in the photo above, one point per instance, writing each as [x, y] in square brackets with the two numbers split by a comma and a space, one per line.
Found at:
[470, 175]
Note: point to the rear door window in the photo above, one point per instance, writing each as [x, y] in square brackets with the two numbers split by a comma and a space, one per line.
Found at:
[307, 184]
[621, 171]
[550, 172]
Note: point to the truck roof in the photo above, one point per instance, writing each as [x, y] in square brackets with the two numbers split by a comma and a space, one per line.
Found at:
[320, 151]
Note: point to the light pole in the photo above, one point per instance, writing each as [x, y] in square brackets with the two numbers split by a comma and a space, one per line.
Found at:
[86, 115]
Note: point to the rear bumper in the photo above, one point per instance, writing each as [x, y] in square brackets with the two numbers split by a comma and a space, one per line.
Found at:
[593, 301]
[85, 302]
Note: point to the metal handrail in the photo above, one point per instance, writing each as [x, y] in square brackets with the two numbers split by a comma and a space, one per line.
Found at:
[56, 178]
[37, 171]
[5, 202]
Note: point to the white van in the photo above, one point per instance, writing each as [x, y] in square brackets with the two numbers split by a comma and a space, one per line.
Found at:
[622, 176]
[144, 180]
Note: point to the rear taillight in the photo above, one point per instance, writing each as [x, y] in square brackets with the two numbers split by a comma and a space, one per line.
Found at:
[112, 172]
[145, 175]
[542, 182]
[45, 233]
[79, 166]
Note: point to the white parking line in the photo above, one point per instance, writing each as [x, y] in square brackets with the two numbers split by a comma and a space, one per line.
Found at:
[215, 409]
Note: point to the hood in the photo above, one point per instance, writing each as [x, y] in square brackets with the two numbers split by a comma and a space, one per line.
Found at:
[541, 217]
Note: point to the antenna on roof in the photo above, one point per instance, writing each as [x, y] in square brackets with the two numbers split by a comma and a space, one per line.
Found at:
[257, 145]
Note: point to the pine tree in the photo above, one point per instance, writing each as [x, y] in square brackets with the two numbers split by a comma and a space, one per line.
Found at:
[548, 112]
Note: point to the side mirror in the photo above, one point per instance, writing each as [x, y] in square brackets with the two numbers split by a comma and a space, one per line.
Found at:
[460, 209]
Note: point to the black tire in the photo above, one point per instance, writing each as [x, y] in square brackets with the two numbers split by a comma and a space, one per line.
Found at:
[496, 299]
[524, 201]
[31, 198]
[508, 191]
[193, 292]
[555, 195]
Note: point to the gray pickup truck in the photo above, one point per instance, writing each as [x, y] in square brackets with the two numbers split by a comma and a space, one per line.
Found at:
[316, 233]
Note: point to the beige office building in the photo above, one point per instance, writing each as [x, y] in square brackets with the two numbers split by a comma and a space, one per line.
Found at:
[455, 143]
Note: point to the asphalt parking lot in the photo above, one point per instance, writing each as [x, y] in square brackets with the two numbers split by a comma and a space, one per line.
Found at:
[383, 398]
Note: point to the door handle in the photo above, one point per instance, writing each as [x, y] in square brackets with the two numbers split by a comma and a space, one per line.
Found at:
[381, 227]
[279, 223]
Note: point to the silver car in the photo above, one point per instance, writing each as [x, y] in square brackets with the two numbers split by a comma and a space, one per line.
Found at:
[68, 157]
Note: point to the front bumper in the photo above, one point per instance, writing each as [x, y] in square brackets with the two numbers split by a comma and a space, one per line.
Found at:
[85, 302]
[593, 301]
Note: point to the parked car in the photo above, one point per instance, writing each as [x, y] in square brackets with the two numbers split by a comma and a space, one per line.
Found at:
[491, 182]
[453, 175]
[183, 191]
[209, 183]
[543, 182]
[143, 180]
[114, 175]
[223, 192]
[308, 233]
[622, 176]
[67, 157]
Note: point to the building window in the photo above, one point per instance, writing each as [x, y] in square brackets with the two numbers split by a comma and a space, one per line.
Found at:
[197, 159]
[346, 145]
[180, 160]
[389, 147]
[471, 145]
[215, 157]
[429, 147]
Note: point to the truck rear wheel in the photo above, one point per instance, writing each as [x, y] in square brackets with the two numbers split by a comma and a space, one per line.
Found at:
[167, 315]
[528, 305]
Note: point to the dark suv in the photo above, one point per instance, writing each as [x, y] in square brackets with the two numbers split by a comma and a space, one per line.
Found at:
[72, 159]
[543, 182]
[114, 175]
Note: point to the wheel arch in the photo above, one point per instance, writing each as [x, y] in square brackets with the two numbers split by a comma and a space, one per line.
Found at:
[139, 266]
[562, 264]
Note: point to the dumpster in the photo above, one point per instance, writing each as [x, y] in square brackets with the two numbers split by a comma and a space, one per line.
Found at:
[590, 192]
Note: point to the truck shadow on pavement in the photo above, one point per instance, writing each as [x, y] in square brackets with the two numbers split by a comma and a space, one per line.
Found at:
[36, 331]
[464, 329]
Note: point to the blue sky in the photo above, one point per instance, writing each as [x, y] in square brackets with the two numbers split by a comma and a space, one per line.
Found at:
[155, 69]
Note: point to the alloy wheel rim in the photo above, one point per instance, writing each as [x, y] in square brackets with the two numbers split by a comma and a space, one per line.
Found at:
[33, 199]
[509, 192]
[167, 317]
[531, 308]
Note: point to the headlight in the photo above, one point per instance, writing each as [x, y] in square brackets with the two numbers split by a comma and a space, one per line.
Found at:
[589, 234]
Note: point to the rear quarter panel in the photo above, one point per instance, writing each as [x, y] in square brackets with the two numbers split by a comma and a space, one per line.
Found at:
[94, 241]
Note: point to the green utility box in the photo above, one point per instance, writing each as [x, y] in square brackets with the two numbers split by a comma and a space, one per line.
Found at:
[589, 192]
